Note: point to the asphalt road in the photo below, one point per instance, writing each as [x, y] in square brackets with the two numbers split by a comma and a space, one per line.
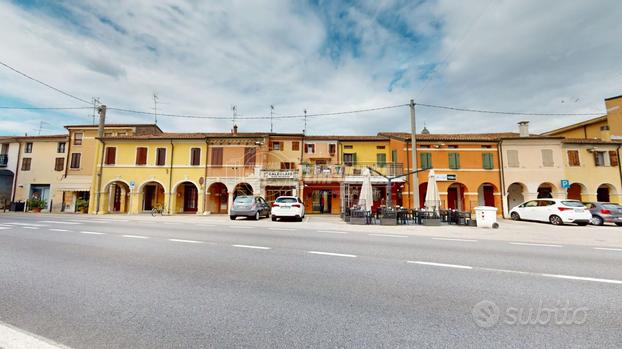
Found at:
[94, 282]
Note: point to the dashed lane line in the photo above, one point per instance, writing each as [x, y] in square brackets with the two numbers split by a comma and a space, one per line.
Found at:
[186, 241]
[282, 229]
[332, 232]
[54, 229]
[532, 244]
[332, 254]
[13, 337]
[608, 249]
[457, 266]
[32, 228]
[135, 236]
[253, 247]
[4, 228]
[455, 239]
[581, 278]
[389, 235]
[60, 222]
[92, 233]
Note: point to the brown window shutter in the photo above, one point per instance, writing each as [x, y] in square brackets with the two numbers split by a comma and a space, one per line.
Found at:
[217, 156]
[111, 155]
[141, 156]
[270, 145]
[161, 156]
[613, 158]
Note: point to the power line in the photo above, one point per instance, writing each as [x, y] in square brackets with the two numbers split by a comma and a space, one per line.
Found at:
[504, 112]
[43, 108]
[44, 84]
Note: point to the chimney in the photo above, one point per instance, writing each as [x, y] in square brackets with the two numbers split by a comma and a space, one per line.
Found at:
[523, 128]
[235, 129]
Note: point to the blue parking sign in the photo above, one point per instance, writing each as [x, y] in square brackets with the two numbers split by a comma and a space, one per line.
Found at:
[565, 183]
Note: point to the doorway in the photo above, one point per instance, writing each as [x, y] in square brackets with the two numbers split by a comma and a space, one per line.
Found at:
[190, 197]
[322, 201]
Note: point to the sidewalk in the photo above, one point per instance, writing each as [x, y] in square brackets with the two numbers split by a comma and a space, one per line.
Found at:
[605, 236]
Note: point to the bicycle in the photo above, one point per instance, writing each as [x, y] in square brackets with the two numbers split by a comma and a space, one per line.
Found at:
[159, 209]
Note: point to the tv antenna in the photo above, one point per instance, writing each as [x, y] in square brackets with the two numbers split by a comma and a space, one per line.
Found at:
[271, 113]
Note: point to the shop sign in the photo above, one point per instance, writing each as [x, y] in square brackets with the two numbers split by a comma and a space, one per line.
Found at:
[445, 177]
[279, 174]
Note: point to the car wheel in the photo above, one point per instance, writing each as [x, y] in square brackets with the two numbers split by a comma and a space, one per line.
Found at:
[232, 218]
[257, 216]
[596, 220]
[274, 218]
[515, 216]
[556, 220]
[619, 224]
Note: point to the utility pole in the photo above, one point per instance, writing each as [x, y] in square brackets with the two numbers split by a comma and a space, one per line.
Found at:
[155, 108]
[413, 152]
[271, 113]
[304, 131]
[95, 102]
[100, 135]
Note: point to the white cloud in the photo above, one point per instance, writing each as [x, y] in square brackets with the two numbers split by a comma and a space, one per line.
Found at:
[203, 58]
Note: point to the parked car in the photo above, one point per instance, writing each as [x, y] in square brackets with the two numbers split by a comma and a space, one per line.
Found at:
[605, 212]
[288, 206]
[249, 206]
[554, 211]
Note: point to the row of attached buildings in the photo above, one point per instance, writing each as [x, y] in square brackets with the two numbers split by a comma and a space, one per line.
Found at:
[136, 167]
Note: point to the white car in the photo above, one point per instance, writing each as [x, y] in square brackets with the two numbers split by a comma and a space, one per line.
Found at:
[555, 211]
[288, 206]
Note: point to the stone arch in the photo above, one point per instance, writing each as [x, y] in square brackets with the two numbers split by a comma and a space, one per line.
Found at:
[604, 192]
[486, 194]
[217, 198]
[242, 188]
[576, 191]
[546, 190]
[186, 197]
[117, 193]
[455, 196]
[152, 194]
[515, 194]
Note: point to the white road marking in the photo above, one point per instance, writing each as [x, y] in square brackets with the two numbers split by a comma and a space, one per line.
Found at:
[3, 228]
[332, 254]
[188, 241]
[12, 337]
[530, 244]
[59, 222]
[441, 265]
[92, 233]
[581, 278]
[507, 271]
[58, 230]
[332, 232]
[26, 224]
[608, 249]
[452, 239]
[251, 246]
[282, 229]
[135, 236]
[389, 235]
[33, 228]
[243, 227]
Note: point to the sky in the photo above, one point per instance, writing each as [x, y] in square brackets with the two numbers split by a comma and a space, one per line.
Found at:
[203, 57]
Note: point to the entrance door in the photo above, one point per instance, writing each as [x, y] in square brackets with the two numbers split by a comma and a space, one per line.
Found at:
[489, 196]
[148, 197]
[452, 198]
[116, 205]
[190, 198]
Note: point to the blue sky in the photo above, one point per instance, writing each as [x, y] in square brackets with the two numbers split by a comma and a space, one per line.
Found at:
[323, 56]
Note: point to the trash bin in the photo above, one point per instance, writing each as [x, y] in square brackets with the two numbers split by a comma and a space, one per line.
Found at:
[17, 206]
[486, 217]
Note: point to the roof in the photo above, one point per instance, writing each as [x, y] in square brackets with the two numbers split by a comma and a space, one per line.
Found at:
[190, 135]
[576, 125]
[114, 125]
[614, 97]
[452, 137]
[44, 137]
[589, 141]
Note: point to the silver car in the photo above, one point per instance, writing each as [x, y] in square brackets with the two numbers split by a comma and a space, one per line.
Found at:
[605, 212]
[249, 206]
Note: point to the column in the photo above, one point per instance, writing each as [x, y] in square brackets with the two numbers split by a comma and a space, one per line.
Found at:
[229, 202]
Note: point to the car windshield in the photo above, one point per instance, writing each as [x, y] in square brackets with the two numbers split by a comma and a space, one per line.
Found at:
[244, 200]
[573, 203]
[612, 206]
[286, 200]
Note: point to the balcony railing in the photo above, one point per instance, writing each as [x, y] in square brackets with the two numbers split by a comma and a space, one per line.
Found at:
[4, 160]
[328, 171]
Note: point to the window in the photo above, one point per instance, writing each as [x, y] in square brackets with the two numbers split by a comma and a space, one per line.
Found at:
[454, 161]
[288, 166]
[141, 156]
[75, 161]
[452, 146]
[28, 148]
[547, 158]
[77, 138]
[110, 157]
[513, 158]
[380, 147]
[599, 158]
[249, 156]
[195, 156]
[426, 161]
[275, 146]
[604, 128]
[424, 146]
[216, 160]
[487, 161]
[309, 148]
[332, 149]
[347, 147]
[486, 146]
[394, 156]
[160, 156]
[60, 148]
[381, 159]
[295, 146]
[573, 158]
[613, 158]
[349, 159]
[59, 164]
[26, 164]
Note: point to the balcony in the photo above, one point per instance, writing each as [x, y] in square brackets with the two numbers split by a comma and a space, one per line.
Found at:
[322, 171]
[387, 169]
[4, 160]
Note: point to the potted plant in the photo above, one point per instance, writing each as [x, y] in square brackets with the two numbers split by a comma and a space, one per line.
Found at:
[36, 204]
[82, 206]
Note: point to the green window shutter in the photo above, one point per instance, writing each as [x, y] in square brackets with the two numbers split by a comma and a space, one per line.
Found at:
[354, 159]
[381, 159]
[394, 156]
[426, 160]
[454, 161]
[487, 161]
